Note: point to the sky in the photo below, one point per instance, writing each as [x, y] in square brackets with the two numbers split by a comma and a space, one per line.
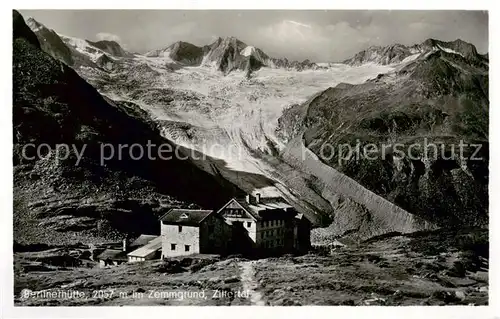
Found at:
[321, 36]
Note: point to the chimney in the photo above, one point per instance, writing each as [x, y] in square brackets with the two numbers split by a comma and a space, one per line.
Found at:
[257, 198]
[247, 198]
[124, 244]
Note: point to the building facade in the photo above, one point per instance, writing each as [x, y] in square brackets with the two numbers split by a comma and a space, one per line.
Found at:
[188, 231]
[253, 226]
[266, 225]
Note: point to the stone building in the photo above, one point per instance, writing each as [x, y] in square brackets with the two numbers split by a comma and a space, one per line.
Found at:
[265, 225]
[190, 231]
[252, 226]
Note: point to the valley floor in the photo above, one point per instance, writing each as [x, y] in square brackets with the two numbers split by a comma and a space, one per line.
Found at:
[438, 268]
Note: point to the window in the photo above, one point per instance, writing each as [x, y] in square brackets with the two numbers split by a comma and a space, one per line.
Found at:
[172, 246]
[180, 229]
[186, 247]
[272, 223]
[249, 224]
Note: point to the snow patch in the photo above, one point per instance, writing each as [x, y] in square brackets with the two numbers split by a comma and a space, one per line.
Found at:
[83, 47]
[249, 50]
[34, 25]
[410, 58]
[448, 50]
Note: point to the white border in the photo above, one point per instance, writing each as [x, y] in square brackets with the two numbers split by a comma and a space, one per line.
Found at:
[8, 311]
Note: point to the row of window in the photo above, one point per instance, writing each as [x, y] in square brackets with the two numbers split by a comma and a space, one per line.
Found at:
[174, 246]
[234, 211]
[273, 243]
[270, 232]
[272, 223]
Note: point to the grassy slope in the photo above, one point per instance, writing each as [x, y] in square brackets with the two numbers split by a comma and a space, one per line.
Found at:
[439, 268]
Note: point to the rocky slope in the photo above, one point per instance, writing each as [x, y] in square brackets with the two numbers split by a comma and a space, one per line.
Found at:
[382, 55]
[182, 52]
[59, 198]
[50, 42]
[441, 98]
[397, 53]
[77, 52]
[111, 47]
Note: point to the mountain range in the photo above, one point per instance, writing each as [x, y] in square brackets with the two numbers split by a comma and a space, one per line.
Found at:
[75, 91]
[397, 53]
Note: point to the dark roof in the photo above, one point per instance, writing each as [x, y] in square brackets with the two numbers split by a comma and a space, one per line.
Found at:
[188, 217]
[142, 240]
[113, 254]
[271, 205]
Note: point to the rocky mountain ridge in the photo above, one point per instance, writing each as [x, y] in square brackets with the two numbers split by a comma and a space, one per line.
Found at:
[397, 53]
[440, 97]
[225, 54]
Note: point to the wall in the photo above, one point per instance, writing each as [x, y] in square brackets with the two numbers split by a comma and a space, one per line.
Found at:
[215, 235]
[170, 234]
[252, 230]
[271, 233]
[303, 239]
[133, 259]
[103, 264]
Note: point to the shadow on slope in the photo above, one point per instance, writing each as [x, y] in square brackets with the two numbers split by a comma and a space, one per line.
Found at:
[53, 196]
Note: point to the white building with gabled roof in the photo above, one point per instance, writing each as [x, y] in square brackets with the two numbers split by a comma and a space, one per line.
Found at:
[193, 231]
[270, 224]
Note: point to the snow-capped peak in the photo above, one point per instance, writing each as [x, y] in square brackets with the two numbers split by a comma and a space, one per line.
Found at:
[249, 50]
[83, 47]
[34, 25]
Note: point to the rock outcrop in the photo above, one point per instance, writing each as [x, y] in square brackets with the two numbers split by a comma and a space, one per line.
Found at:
[182, 52]
[111, 47]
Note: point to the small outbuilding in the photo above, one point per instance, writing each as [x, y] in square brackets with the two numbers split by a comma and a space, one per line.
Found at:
[151, 250]
[112, 257]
